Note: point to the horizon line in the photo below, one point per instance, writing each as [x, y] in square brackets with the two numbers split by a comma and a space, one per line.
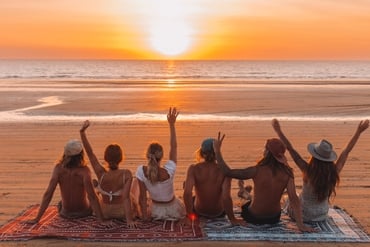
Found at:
[175, 59]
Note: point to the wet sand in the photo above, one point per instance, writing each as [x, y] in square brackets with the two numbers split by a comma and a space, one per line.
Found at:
[29, 149]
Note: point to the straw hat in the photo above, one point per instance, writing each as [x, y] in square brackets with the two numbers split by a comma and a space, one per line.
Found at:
[322, 151]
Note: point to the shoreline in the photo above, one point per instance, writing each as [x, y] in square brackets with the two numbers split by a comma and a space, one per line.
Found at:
[29, 149]
[182, 81]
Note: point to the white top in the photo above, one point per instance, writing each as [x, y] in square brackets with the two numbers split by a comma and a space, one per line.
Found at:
[312, 209]
[159, 191]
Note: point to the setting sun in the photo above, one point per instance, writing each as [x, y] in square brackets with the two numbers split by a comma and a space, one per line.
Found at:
[169, 27]
[170, 38]
[185, 29]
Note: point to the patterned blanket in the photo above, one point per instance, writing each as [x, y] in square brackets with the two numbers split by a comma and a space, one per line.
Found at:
[88, 228]
[340, 227]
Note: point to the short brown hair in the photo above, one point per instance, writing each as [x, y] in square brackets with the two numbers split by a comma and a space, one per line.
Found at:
[113, 155]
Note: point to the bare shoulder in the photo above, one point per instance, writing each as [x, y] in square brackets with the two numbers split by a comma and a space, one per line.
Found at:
[58, 167]
[127, 172]
[198, 168]
[84, 170]
[58, 171]
[201, 165]
[192, 167]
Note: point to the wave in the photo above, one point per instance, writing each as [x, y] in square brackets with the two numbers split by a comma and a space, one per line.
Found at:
[17, 116]
[246, 78]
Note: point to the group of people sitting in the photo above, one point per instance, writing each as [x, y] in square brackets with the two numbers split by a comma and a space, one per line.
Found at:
[149, 195]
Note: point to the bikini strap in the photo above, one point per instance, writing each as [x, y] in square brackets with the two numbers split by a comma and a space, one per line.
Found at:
[101, 178]
[124, 178]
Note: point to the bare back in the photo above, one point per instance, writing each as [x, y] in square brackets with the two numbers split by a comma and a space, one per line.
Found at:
[208, 184]
[116, 181]
[73, 190]
[268, 189]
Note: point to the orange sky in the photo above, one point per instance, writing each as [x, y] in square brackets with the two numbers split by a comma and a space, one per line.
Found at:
[186, 29]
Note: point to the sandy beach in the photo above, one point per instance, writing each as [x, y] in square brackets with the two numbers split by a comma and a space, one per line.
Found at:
[29, 149]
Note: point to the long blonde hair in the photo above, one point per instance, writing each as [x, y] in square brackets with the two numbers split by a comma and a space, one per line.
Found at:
[154, 155]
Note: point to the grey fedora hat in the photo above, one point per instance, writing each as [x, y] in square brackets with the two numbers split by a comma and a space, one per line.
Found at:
[322, 151]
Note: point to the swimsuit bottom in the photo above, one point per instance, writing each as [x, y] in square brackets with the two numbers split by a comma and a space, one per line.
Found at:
[73, 215]
[250, 218]
[220, 215]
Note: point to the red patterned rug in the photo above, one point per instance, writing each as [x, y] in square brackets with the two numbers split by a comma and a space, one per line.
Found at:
[51, 225]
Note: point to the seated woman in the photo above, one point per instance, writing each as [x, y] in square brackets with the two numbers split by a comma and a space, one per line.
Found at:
[320, 172]
[158, 181]
[114, 184]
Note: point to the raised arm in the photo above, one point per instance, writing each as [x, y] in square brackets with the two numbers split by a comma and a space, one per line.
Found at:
[171, 118]
[363, 125]
[246, 173]
[98, 169]
[48, 195]
[300, 162]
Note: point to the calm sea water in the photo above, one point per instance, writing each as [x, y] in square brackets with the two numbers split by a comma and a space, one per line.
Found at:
[227, 71]
[33, 90]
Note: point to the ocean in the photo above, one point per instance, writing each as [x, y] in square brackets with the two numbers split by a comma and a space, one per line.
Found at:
[224, 71]
[31, 89]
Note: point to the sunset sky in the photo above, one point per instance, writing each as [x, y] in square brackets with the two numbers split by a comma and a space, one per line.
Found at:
[185, 29]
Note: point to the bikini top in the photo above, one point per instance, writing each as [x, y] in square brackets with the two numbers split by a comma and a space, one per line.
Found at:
[110, 194]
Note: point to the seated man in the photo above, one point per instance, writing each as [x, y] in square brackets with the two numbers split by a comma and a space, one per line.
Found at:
[212, 188]
[271, 176]
[74, 179]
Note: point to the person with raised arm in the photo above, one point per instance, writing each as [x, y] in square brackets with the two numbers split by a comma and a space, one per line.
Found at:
[320, 173]
[158, 181]
[114, 184]
[271, 177]
[212, 188]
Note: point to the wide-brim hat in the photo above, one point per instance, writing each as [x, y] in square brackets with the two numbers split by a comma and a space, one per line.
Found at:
[73, 147]
[277, 148]
[322, 151]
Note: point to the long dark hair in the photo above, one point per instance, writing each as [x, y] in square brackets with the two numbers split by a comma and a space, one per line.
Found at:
[77, 160]
[323, 176]
[270, 160]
